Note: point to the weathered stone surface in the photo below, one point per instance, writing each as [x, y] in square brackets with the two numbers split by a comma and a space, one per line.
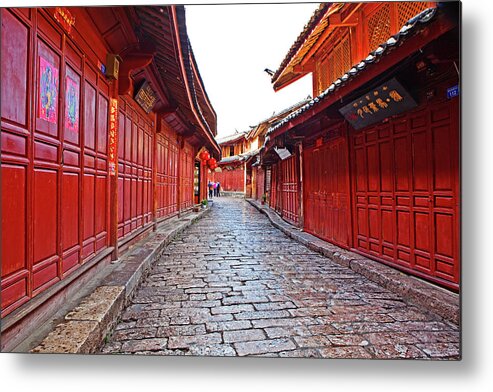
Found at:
[228, 325]
[71, 337]
[264, 346]
[244, 288]
[132, 346]
[199, 340]
[354, 352]
[244, 335]
[396, 351]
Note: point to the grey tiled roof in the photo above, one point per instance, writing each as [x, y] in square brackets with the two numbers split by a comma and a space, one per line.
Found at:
[240, 157]
[423, 17]
[229, 138]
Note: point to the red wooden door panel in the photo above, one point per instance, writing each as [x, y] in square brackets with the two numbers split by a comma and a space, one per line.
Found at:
[135, 168]
[289, 189]
[326, 201]
[405, 182]
[167, 150]
[16, 139]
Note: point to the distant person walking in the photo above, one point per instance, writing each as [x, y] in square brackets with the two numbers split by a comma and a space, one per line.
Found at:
[210, 185]
[215, 188]
[218, 189]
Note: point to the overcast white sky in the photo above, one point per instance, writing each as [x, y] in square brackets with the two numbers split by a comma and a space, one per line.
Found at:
[233, 44]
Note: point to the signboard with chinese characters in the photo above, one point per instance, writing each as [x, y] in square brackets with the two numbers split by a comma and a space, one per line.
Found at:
[384, 101]
[112, 157]
[146, 97]
[65, 18]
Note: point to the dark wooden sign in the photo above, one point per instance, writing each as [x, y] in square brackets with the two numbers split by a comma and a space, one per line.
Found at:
[386, 100]
[146, 97]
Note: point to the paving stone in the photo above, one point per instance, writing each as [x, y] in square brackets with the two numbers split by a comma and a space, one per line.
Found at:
[245, 288]
[262, 314]
[280, 322]
[312, 341]
[301, 353]
[200, 340]
[231, 309]
[441, 350]
[132, 346]
[134, 333]
[215, 350]
[283, 332]
[396, 351]
[244, 335]
[264, 346]
[354, 352]
[181, 330]
[228, 325]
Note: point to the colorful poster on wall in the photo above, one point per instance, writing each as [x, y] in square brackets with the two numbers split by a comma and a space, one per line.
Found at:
[72, 105]
[48, 91]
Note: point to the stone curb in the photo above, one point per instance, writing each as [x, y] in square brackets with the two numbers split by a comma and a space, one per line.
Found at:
[413, 290]
[85, 327]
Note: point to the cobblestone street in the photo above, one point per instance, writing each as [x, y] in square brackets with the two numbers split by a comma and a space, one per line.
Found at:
[233, 285]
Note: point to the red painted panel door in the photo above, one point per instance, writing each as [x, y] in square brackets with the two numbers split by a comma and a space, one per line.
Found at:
[16, 139]
[166, 175]
[134, 168]
[326, 201]
[289, 189]
[406, 183]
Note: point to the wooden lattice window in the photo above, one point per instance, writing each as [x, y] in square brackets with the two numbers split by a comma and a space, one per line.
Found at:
[379, 26]
[336, 64]
[408, 9]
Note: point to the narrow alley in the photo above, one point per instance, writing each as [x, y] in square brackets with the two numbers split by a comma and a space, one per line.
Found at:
[233, 285]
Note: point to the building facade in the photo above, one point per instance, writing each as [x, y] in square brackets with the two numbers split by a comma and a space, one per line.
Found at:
[103, 115]
[373, 161]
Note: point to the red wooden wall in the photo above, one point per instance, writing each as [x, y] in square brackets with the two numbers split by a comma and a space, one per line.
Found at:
[260, 183]
[326, 191]
[406, 191]
[167, 173]
[231, 180]
[55, 188]
[289, 189]
[187, 166]
[54, 171]
[284, 196]
[134, 168]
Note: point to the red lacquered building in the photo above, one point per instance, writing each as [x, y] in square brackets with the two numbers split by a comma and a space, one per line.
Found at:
[103, 113]
[372, 162]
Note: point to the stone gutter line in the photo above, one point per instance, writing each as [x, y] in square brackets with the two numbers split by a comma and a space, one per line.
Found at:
[415, 291]
[85, 328]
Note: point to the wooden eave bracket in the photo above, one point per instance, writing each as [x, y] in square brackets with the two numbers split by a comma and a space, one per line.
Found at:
[134, 57]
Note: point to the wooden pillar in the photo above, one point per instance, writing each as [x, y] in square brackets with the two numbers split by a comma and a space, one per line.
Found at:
[179, 179]
[113, 168]
[300, 185]
[157, 129]
[204, 180]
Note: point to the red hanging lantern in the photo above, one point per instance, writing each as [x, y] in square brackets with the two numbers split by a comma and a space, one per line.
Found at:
[204, 156]
[211, 162]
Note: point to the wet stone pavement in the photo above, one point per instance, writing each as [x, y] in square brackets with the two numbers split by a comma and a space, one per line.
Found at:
[233, 285]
